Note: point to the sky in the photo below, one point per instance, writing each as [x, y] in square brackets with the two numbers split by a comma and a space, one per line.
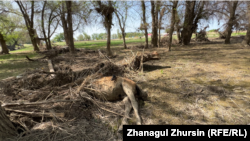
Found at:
[133, 22]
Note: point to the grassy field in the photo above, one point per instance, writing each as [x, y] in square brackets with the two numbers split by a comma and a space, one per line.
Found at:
[101, 43]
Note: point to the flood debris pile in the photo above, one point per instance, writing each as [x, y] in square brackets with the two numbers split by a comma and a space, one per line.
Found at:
[202, 35]
[45, 104]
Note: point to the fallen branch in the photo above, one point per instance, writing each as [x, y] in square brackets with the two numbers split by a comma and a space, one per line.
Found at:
[51, 68]
[38, 114]
[104, 55]
[141, 64]
[36, 103]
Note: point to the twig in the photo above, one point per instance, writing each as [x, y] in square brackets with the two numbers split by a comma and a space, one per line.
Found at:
[49, 95]
[104, 55]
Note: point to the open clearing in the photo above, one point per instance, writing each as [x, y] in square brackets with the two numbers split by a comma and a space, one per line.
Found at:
[202, 83]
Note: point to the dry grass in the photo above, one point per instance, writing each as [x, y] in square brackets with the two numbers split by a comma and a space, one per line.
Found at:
[206, 84]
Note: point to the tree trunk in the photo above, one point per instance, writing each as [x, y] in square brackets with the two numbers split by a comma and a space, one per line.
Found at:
[160, 22]
[64, 24]
[5, 50]
[172, 24]
[178, 35]
[108, 23]
[48, 47]
[186, 33]
[230, 22]
[124, 41]
[29, 23]
[144, 23]
[122, 28]
[154, 24]
[70, 27]
[247, 37]
[7, 129]
[178, 28]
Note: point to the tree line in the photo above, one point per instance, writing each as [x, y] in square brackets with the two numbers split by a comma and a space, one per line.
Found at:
[40, 20]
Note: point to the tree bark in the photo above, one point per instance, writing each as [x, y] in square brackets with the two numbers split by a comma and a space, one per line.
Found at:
[108, 23]
[172, 24]
[177, 27]
[154, 15]
[5, 50]
[70, 27]
[144, 23]
[230, 22]
[160, 22]
[7, 129]
[247, 37]
[64, 23]
[124, 40]
[186, 33]
[48, 47]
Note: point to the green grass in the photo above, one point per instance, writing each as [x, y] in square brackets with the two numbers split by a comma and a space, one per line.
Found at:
[15, 63]
[16, 56]
[101, 43]
[27, 47]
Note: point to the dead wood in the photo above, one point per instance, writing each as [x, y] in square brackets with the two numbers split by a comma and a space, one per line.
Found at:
[98, 103]
[37, 114]
[51, 68]
[141, 65]
[202, 35]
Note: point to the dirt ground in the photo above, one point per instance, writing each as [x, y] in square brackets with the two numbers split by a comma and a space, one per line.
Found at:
[201, 83]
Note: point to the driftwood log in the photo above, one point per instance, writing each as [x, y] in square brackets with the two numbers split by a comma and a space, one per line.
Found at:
[135, 62]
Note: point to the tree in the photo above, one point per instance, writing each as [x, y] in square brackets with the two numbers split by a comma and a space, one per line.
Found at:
[29, 21]
[7, 129]
[86, 36]
[48, 12]
[80, 37]
[232, 8]
[5, 50]
[106, 10]
[160, 24]
[7, 26]
[3, 21]
[174, 8]
[59, 37]
[70, 27]
[79, 12]
[154, 14]
[246, 40]
[194, 12]
[145, 24]
[122, 18]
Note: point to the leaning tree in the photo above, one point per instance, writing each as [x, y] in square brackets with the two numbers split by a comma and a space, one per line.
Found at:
[174, 8]
[7, 129]
[121, 13]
